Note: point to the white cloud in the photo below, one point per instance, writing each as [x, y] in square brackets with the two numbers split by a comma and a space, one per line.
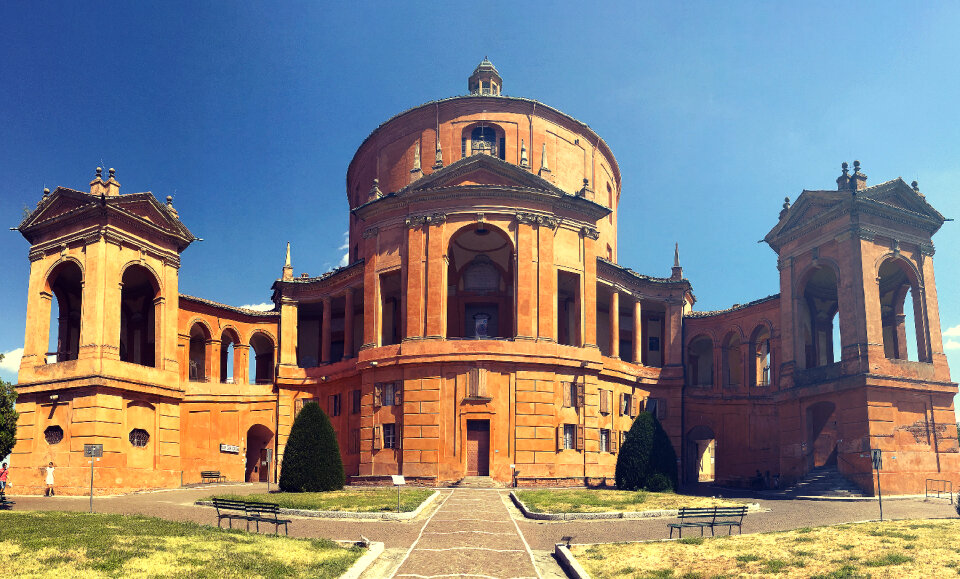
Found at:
[11, 360]
[951, 345]
[953, 332]
[345, 258]
[263, 307]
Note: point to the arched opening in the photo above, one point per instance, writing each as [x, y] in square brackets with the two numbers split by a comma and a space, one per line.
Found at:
[701, 455]
[138, 319]
[819, 306]
[568, 308]
[897, 289]
[483, 139]
[700, 361]
[732, 367]
[259, 464]
[480, 275]
[228, 342]
[760, 359]
[822, 434]
[199, 337]
[66, 285]
[261, 359]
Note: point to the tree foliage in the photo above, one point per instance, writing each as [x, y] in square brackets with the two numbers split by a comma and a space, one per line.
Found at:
[646, 460]
[8, 417]
[311, 460]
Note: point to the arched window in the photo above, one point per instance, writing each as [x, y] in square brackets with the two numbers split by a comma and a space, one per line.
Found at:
[138, 328]
[261, 359]
[480, 279]
[760, 357]
[228, 342]
[897, 289]
[483, 139]
[732, 368]
[199, 336]
[700, 362]
[66, 285]
[819, 306]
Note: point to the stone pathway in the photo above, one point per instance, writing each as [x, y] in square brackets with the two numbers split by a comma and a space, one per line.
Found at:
[471, 535]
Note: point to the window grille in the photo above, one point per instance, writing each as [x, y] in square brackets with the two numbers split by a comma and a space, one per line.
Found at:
[53, 435]
[139, 437]
[604, 440]
[389, 436]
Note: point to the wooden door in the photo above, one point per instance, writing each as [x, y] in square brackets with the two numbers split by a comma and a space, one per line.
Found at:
[264, 466]
[478, 448]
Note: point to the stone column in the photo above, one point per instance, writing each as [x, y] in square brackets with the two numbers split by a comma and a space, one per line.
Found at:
[288, 332]
[241, 364]
[615, 324]
[325, 331]
[211, 355]
[436, 279]
[348, 324]
[637, 333]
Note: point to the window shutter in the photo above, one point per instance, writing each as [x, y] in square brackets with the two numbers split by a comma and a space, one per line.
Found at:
[623, 404]
[377, 438]
[604, 402]
[297, 406]
[636, 406]
[560, 437]
[581, 395]
[580, 436]
[398, 436]
[614, 442]
[567, 402]
[398, 393]
[330, 405]
[377, 395]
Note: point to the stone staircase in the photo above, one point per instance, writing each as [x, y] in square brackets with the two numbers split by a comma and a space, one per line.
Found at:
[824, 481]
[478, 482]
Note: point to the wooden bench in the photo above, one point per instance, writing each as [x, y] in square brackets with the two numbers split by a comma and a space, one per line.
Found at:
[250, 511]
[206, 475]
[230, 510]
[266, 513]
[711, 517]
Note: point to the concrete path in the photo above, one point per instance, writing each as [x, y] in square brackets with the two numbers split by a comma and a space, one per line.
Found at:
[472, 534]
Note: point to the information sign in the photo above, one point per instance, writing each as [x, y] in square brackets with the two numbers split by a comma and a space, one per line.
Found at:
[92, 450]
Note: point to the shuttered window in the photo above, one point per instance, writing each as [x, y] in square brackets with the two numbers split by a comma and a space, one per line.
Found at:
[580, 437]
[568, 395]
[604, 402]
[377, 438]
[580, 390]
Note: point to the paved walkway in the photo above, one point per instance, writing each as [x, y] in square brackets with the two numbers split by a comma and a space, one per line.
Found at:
[472, 534]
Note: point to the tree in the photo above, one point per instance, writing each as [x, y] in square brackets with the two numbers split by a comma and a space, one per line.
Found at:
[8, 417]
[646, 460]
[311, 461]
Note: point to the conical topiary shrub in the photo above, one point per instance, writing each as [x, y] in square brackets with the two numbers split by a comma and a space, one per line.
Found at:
[647, 460]
[311, 460]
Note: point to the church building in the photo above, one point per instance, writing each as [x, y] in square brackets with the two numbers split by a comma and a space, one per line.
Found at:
[484, 327]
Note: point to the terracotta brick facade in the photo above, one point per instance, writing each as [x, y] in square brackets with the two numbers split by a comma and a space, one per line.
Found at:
[483, 327]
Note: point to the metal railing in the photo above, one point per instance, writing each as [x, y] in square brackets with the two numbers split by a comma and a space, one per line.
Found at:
[936, 487]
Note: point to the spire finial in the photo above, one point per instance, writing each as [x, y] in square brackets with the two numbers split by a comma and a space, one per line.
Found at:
[524, 162]
[99, 172]
[287, 267]
[286, 263]
[676, 254]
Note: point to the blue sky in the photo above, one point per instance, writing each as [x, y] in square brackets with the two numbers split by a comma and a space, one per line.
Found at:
[248, 114]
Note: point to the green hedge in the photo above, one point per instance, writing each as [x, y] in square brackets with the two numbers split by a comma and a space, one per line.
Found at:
[311, 460]
[647, 460]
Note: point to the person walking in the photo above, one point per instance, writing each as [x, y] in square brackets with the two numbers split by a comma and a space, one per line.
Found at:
[3, 478]
[49, 491]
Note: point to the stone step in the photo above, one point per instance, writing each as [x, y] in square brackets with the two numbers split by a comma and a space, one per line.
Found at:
[479, 482]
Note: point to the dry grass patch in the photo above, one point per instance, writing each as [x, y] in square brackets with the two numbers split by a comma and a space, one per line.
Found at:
[913, 548]
[52, 544]
[364, 500]
[610, 501]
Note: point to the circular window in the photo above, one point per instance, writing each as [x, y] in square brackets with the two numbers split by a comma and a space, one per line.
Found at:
[139, 437]
[53, 434]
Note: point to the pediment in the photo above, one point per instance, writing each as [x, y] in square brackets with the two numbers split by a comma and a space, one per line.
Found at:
[61, 203]
[896, 194]
[479, 170]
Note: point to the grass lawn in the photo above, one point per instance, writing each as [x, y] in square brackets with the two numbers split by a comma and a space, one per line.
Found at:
[603, 501]
[52, 544]
[913, 548]
[367, 500]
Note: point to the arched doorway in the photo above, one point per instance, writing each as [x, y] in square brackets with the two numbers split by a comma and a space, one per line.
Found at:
[701, 455]
[259, 441]
[822, 434]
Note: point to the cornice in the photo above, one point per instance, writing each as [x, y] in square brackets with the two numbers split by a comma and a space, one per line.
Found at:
[538, 219]
[425, 220]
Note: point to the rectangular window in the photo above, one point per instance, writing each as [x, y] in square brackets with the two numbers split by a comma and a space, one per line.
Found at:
[569, 436]
[299, 402]
[604, 440]
[657, 407]
[477, 383]
[626, 405]
[388, 391]
[356, 402]
[604, 402]
[568, 394]
[333, 405]
[389, 436]
[386, 394]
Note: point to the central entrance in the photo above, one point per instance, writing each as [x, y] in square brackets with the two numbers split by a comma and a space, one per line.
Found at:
[478, 448]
